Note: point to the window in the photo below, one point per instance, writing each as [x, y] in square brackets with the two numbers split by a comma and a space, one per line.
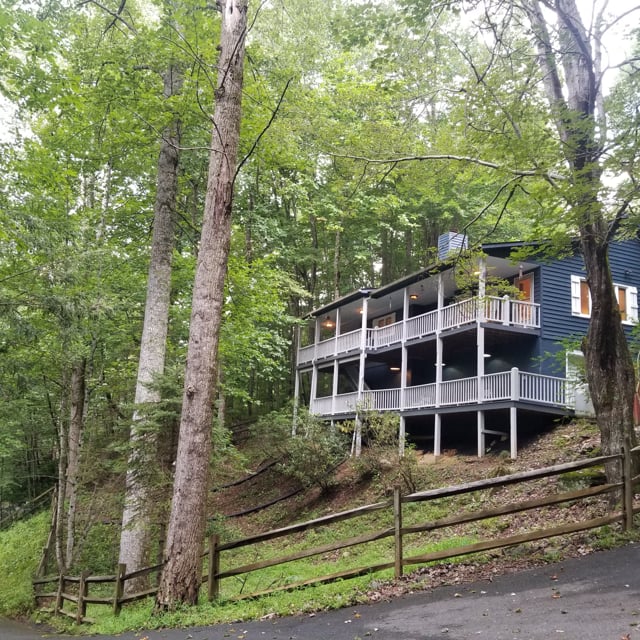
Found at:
[581, 300]
[525, 286]
[384, 320]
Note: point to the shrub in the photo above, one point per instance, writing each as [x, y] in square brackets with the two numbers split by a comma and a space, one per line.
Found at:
[313, 454]
[381, 456]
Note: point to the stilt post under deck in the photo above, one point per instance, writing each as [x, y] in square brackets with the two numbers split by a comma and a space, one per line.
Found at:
[437, 435]
[513, 412]
[513, 432]
[481, 434]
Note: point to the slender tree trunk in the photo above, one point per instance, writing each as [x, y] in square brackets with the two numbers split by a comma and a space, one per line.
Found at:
[138, 511]
[181, 575]
[63, 456]
[76, 424]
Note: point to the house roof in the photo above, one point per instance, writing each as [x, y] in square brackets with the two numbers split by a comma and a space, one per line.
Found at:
[498, 260]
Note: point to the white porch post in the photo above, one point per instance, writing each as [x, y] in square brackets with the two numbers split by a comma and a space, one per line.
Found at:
[482, 281]
[314, 371]
[481, 434]
[437, 423]
[336, 368]
[363, 355]
[403, 372]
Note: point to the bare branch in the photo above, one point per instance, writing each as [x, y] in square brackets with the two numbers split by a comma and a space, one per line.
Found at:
[274, 113]
[116, 15]
[522, 173]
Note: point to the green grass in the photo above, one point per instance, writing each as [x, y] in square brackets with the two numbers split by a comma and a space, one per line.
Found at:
[320, 597]
[20, 549]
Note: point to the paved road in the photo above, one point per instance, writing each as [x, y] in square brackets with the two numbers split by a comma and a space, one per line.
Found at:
[591, 598]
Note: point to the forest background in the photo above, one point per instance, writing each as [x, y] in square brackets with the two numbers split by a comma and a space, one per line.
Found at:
[110, 109]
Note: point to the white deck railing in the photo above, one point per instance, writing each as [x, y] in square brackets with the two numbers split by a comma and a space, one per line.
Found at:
[511, 385]
[543, 389]
[514, 313]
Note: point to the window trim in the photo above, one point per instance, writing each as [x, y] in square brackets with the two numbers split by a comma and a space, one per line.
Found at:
[578, 301]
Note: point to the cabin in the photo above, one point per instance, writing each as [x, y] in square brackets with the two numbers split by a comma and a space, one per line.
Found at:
[472, 349]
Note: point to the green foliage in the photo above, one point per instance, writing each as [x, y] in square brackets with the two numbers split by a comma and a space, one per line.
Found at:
[312, 455]
[20, 551]
[381, 456]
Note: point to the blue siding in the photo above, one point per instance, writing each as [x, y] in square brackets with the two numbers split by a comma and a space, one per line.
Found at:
[552, 290]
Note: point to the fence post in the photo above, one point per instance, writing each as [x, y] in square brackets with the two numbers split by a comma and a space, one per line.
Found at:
[81, 610]
[397, 524]
[59, 603]
[119, 588]
[213, 583]
[627, 486]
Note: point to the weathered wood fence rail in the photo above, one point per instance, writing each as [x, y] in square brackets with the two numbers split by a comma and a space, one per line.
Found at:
[76, 589]
[15, 513]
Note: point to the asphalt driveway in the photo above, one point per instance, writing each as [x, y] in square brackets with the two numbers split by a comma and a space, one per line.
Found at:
[592, 598]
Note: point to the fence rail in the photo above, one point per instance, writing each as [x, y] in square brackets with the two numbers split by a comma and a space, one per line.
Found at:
[19, 512]
[75, 589]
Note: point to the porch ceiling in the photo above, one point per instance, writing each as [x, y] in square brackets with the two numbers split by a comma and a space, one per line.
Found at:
[423, 285]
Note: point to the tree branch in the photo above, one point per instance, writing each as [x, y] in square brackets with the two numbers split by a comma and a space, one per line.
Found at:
[116, 15]
[522, 173]
[274, 113]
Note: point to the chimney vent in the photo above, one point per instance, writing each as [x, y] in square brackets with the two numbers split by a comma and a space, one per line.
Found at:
[451, 242]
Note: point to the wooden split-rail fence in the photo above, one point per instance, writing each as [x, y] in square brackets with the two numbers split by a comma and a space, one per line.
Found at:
[621, 509]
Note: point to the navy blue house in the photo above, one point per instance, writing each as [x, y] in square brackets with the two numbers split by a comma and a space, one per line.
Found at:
[470, 349]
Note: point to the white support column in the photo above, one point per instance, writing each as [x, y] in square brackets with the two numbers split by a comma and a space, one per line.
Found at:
[402, 435]
[336, 368]
[437, 425]
[357, 448]
[513, 432]
[404, 354]
[314, 386]
[482, 284]
[481, 434]
[334, 388]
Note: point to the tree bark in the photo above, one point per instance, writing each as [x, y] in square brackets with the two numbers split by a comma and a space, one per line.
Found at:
[181, 575]
[609, 368]
[76, 424]
[138, 511]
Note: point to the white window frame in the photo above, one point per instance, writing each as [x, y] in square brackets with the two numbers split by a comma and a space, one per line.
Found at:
[384, 321]
[631, 300]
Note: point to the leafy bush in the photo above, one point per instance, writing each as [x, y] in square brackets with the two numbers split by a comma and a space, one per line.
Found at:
[20, 550]
[381, 456]
[312, 455]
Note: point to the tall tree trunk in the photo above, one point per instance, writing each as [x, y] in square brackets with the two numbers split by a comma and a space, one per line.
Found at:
[574, 95]
[76, 424]
[63, 456]
[181, 575]
[138, 511]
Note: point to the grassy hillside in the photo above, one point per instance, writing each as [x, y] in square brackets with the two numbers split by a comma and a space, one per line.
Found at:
[20, 550]
[356, 483]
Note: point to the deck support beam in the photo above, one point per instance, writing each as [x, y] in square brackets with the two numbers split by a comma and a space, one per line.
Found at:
[481, 434]
[437, 435]
[513, 432]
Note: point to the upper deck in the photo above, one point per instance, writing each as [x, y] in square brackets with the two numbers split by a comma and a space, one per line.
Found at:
[504, 311]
